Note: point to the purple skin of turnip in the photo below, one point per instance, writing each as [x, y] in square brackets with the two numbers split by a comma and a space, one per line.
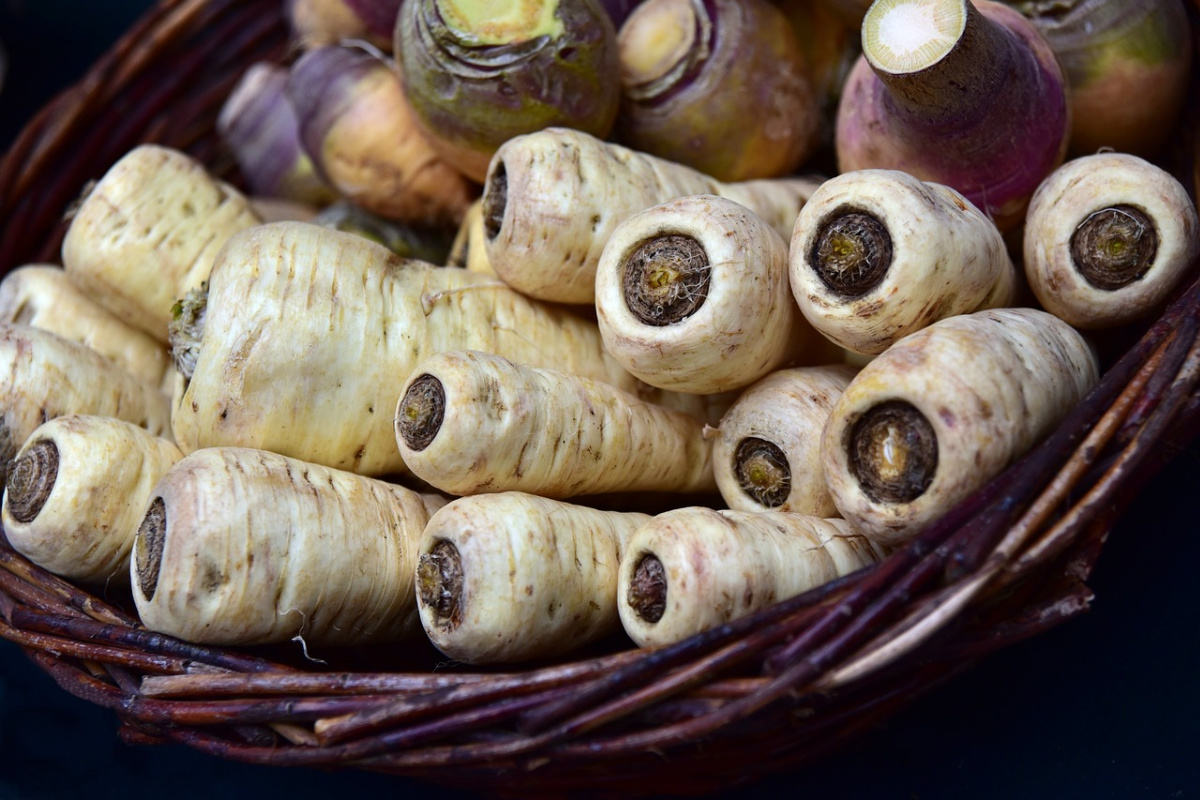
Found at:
[964, 94]
[259, 125]
[316, 23]
[719, 85]
[479, 73]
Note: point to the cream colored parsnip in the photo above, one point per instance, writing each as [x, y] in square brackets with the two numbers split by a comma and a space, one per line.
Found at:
[76, 493]
[471, 422]
[46, 376]
[691, 569]
[42, 296]
[469, 249]
[508, 577]
[877, 254]
[553, 198]
[309, 335]
[148, 232]
[943, 410]
[240, 546]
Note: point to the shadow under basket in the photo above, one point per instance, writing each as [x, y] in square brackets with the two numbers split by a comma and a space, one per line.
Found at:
[755, 697]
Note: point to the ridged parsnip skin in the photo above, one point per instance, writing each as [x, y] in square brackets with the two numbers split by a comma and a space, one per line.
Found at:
[84, 528]
[311, 333]
[720, 565]
[947, 258]
[149, 231]
[42, 296]
[539, 576]
[747, 326]
[46, 376]
[787, 409]
[566, 191]
[991, 384]
[255, 547]
[1069, 199]
[508, 426]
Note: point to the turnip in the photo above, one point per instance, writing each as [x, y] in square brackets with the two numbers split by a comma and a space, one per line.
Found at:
[1107, 238]
[240, 546]
[509, 577]
[76, 492]
[317, 23]
[148, 232]
[878, 254]
[553, 198]
[945, 409]
[470, 422]
[966, 94]
[767, 449]
[688, 570]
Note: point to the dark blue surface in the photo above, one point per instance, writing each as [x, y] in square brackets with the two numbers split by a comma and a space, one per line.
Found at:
[1107, 705]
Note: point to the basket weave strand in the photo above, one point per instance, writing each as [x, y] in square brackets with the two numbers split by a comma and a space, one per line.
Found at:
[764, 693]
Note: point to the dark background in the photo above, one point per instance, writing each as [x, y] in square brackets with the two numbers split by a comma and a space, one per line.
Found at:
[1106, 705]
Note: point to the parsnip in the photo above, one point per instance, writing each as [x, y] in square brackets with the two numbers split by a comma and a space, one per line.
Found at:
[767, 450]
[1107, 238]
[692, 295]
[553, 198]
[944, 410]
[46, 376]
[469, 249]
[508, 577]
[240, 546]
[691, 569]
[878, 254]
[471, 422]
[148, 232]
[42, 296]
[76, 492]
[309, 334]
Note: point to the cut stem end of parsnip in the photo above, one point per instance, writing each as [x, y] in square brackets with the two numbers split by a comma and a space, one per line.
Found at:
[31, 479]
[495, 199]
[666, 279]
[420, 413]
[440, 582]
[148, 547]
[1115, 246]
[851, 252]
[762, 471]
[648, 588]
[893, 452]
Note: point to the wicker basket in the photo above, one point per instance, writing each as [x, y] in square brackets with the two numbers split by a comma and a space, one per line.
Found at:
[754, 698]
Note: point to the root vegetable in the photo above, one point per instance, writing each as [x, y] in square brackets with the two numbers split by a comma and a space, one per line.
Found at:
[510, 577]
[46, 376]
[410, 241]
[148, 232]
[767, 450]
[553, 198]
[240, 546]
[961, 93]
[692, 569]
[42, 296]
[76, 492]
[317, 23]
[469, 249]
[944, 410]
[1107, 238]
[470, 422]
[878, 254]
[692, 295]
[307, 335]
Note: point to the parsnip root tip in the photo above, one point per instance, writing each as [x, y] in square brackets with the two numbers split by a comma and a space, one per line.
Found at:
[762, 471]
[1115, 246]
[666, 279]
[851, 252]
[495, 198]
[421, 411]
[148, 548]
[893, 452]
[648, 588]
[440, 582]
[31, 478]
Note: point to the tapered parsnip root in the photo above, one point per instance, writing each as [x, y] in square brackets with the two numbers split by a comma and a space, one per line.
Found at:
[692, 295]
[509, 577]
[471, 422]
[469, 249]
[553, 198]
[767, 451]
[76, 492]
[46, 376]
[309, 335]
[945, 409]
[1107, 238]
[240, 546]
[691, 569]
[42, 296]
[878, 254]
[149, 231]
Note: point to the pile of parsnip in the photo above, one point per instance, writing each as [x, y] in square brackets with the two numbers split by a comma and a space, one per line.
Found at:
[531, 321]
